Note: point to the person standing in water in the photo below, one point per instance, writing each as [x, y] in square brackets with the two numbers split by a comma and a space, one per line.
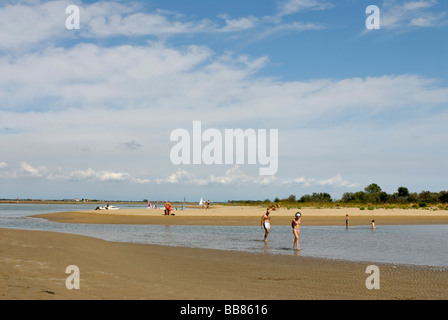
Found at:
[295, 224]
[372, 224]
[346, 221]
[266, 223]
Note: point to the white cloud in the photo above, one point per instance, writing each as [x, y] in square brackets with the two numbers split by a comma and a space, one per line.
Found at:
[417, 5]
[429, 20]
[30, 23]
[88, 74]
[105, 19]
[232, 176]
[287, 7]
[141, 181]
[5, 171]
[25, 25]
[27, 170]
[182, 176]
[233, 25]
[97, 176]
[306, 182]
[296, 26]
[336, 181]
[191, 80]
[179, 176]
[402, 15]
[236, 176]
[103, 176]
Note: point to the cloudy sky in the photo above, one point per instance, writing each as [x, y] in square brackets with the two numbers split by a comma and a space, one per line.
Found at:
[88, 112]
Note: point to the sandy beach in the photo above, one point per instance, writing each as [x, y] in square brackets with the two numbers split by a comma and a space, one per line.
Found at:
[33, 263]
[33, 266]
[251, 215]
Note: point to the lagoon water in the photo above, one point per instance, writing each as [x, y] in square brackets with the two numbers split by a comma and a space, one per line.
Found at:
[412, 245]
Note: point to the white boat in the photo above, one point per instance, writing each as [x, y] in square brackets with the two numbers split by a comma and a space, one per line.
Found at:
[107, 207]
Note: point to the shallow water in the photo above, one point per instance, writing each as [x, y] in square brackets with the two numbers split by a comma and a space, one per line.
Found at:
[415, 245]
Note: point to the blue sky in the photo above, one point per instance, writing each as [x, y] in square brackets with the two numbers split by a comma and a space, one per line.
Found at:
[88, 113]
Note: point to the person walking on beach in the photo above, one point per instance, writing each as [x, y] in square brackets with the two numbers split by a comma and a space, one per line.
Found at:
[266, 223]
[295, 224]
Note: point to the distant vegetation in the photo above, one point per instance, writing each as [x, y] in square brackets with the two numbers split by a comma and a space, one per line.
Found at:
[373, 194]
[372, 197]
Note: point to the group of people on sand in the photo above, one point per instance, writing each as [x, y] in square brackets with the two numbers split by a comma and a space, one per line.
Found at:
[275, 208]
[295, 224]
[168, 207]
[206, 205]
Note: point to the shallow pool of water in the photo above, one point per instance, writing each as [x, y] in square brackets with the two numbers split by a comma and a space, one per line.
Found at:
[415, 245]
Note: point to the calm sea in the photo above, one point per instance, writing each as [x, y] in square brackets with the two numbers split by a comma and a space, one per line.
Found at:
[414, 245]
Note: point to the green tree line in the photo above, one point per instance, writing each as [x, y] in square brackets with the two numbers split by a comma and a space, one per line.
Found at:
[374, 194]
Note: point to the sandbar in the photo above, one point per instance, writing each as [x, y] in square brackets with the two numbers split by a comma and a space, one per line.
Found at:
[251, 215]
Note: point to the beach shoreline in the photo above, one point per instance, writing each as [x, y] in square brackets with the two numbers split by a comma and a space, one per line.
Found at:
[34, 265]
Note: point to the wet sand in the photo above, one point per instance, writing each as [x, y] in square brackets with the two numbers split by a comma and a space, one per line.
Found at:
[33, 263]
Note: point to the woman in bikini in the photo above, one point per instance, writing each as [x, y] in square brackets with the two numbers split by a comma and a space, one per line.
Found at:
[295, 224]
